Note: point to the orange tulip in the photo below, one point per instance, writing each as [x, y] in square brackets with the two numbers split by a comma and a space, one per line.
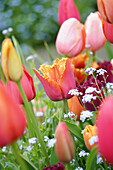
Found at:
[10, 62]
[67, 9]
[105, 7]
[57, 79]
[78, 63]
[94, 31]
[64, 146]
[75, 106]
[12, 118]
[89, 132]
[71, 38]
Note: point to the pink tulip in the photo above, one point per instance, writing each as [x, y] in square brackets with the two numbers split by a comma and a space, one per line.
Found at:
[71, 38]
[105, 129]
[105, 7]
[28, 87]
[57, 79]
[64, 146]
[94, 31]
[67, 9]
[108, 31]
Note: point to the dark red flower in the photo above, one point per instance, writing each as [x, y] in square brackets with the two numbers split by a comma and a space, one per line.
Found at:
[55, 167]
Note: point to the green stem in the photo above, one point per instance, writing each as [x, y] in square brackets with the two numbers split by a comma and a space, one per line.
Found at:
[33, 122]
[93, 57]
[17, 155]
[64, 105]
[2, 76]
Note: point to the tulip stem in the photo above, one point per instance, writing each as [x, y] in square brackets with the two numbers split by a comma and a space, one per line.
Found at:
[17, 155]
[2, 76]
[64, 105]
[33, 122]
[93, 57]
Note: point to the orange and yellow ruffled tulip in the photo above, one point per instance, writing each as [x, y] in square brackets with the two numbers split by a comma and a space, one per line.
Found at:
[10, 62]
[57, 79]
[88, 133]
[105, 7]
[94, 32]
[67, 9]
[64, 146]
[71, 38]
[12, 118]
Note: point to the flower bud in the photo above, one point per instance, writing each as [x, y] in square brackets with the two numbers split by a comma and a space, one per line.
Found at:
[90, 136]
[10, 62]
[105, 129]
[64, 146]
[71, 38]
[75, 106]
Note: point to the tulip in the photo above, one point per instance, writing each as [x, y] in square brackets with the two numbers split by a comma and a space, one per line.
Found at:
[67, 9]
[28, 87]
[75, 106]
[94, 32]
[108, 31]
[78, 63]
[89, 132]
[64, 146]
[12, 118]
[105, 129]
[57, 79]
[71, 38]
[10, 62]
[105, 7]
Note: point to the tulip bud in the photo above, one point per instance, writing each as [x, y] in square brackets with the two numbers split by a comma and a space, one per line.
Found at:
[93, 25]
[105, 129]
[10, 62]
[105, 7]
[67, 9]
[108, 31]
[90, 136]
[75, 106]
[64, 146]
[71, 38]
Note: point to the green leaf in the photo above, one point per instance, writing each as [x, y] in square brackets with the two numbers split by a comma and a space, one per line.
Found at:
[91, 160]
[18, 49]
[75, 130]
[28, 163]
[53, 159]
[108, 50]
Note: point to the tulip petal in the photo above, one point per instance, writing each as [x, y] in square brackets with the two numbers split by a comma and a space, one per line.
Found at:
[51, 87]
[108, 31]
[67, 81]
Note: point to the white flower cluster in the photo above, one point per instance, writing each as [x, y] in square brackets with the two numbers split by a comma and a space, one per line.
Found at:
[88, 98]
[7, 31]
[79, 168]
[109, 87]
[101, 71]
[51, 143]
[90, 70]
[99, 159]
[83, 153]
[91, 90]
[93, 140]
[85, 114]
[75, 92]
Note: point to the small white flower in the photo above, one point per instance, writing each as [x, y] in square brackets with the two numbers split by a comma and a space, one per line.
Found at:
[51, 143]
[10, 29]
[85, 114]
[46, 138]
[88, 98]
[99, 159]
[75, 92]
[91, 90]
[29, 148]
[39, 114]
[21, 147]
[65, 116]
[90, 70]
[32, 140]
[75, 138]
[31, 57]
[109, 87]
[49, 121]
[5, 32]
[93, 140]
[4, 149]
[83, 153]
[79, 168]
[87, 46]
[71, 114]
[101, 71]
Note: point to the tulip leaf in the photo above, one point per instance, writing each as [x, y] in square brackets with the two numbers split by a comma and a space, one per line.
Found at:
[28, 163]
[53, 159]
[75, 130]
[91, 160]
[108, 50]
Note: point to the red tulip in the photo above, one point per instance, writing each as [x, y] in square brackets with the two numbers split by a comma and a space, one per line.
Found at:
[12, 118]
[28, 87]
[57, 79]
[94, 31]
[67, 9]
[105, 129]
[64, 146]
[108, 31]
[71, 38]
[105, 7]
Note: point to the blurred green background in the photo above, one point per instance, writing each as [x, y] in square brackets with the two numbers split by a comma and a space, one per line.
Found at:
[35, 21]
